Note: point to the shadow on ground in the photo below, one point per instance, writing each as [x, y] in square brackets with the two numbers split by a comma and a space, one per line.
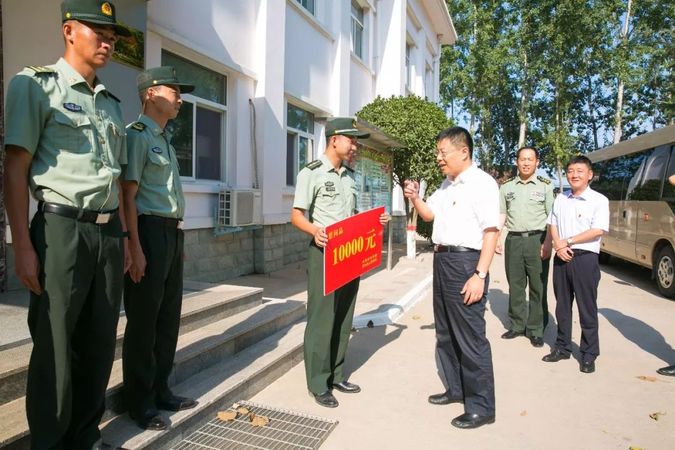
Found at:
[640, 334]
[630, 274]
[365, 342]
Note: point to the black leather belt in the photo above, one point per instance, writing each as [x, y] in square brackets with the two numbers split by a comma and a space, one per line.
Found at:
[581, 251]
[84, 215]
[453, 249]
[168, 222]
[526, 233]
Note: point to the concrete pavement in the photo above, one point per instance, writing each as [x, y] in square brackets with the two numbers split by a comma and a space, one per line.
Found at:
[539, 405]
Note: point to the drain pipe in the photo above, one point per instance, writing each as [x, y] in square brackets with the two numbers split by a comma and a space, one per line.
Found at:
[256, 184]
[254, 145]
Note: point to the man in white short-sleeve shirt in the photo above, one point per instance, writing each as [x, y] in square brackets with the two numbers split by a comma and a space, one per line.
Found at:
[577, 222]
[465, 211]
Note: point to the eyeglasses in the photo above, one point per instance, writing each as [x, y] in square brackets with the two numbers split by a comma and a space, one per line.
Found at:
[443, 154]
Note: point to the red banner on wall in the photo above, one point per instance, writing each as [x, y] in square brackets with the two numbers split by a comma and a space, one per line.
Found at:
[354, 247]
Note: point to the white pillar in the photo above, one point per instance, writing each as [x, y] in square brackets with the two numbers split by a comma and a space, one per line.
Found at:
[269, 105]
[391, 42]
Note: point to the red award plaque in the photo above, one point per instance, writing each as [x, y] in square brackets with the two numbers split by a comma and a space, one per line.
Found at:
[354, 248]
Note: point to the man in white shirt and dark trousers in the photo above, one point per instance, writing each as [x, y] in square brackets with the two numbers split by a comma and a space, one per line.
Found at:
[465, 211]
[577, 222]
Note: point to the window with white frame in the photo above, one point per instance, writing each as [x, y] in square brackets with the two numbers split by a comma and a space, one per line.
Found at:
[357, 29]
[198, 133]
[299, 141]
[308, 5]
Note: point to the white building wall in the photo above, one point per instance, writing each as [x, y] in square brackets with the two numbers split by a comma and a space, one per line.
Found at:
[310, 57]
[390, 46]
[361, 91]
[427, 50]
[220, 30]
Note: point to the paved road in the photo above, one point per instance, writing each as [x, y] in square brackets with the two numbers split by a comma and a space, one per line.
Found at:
[539, 405]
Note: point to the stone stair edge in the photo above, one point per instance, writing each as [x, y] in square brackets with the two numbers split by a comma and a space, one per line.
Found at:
[186, 340]
[216, 384]
[22, 351]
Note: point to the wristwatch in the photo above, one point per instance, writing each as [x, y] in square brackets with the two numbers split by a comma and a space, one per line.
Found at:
[481, 275]
[569, 242]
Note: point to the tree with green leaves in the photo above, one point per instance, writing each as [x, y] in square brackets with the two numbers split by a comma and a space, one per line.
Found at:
[547, 73]
[415, 122]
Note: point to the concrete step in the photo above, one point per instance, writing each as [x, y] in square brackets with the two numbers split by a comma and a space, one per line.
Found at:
[216, 388]
[197, 351]
[200, 308]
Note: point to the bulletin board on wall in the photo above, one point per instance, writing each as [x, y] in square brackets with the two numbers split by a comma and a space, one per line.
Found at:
[372, 175]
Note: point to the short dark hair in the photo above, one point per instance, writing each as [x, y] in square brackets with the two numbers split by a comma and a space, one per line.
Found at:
[536, 152]
[580, 159]
[458, 136]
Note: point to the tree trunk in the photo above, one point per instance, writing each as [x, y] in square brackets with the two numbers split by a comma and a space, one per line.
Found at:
[522, 115]
[411, 237]
[557, 144]
[619, 91]
[594, 121]
[617, 114]
[411, 229]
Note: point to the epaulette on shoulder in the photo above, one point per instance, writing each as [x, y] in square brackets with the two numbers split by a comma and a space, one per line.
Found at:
[543, 179]
[509, 180]
[348, 168]
[40, 69]
[138, 126]
[114, 97]
[314, 164]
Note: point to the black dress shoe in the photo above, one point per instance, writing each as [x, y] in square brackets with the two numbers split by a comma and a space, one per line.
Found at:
[468, 420]
[176, 403]
[667, 371]
[444, 399]
[512, 334]
[555, 356]
[149, 420]
[326, 399]
[347, 387]
[537, 341]
[587, 366]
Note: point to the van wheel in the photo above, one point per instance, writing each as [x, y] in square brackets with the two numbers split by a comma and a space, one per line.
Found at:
[665, 271]
[603, 258]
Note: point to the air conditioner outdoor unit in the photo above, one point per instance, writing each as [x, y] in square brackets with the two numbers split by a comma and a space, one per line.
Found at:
[239, 207]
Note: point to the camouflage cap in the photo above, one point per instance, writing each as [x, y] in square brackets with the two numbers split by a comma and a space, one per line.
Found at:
[92, 11]
[345, 126]
[158, 76]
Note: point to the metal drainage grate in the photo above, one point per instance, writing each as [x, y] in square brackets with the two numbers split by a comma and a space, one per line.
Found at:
[287, 430]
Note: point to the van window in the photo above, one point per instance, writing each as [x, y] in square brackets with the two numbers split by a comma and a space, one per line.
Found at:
[652, 179]
[616, 177]
[668, 187]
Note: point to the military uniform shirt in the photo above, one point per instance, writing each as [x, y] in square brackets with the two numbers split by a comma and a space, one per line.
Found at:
[464, 207]
[76, 136]
[153, 165]
[573, 215]
[526, 204]
[328, 194]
